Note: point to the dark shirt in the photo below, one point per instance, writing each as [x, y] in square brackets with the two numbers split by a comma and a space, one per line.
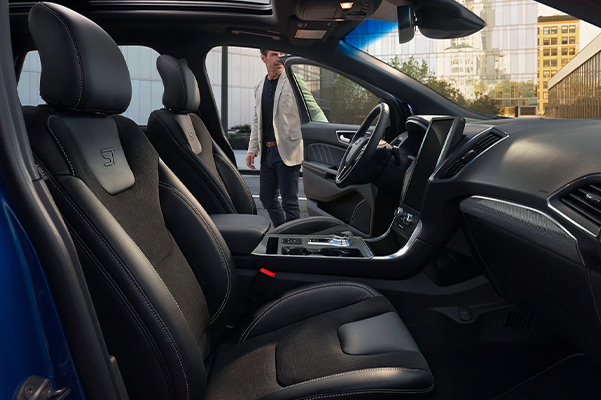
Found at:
[267, 109]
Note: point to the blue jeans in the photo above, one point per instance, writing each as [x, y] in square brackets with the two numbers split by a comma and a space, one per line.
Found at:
[278, 178]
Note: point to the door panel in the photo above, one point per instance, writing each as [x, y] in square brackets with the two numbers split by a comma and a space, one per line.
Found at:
[331, 107]
[324, 150]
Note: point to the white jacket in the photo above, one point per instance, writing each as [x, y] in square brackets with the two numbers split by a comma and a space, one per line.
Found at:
[286, 123]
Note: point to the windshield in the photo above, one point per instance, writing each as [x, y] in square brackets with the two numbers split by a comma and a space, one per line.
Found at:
[530, 60]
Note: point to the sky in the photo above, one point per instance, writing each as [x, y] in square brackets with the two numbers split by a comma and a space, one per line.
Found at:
[587, 31]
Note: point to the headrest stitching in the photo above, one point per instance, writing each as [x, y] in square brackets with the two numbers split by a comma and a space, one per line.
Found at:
[177, 69]
[79, 64]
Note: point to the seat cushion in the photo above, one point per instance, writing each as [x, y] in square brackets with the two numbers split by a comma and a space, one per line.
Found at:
[307, 357]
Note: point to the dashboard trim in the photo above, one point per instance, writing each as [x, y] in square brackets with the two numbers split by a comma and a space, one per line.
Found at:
[536, 211]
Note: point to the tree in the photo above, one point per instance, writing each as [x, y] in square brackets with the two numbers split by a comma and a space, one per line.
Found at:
[482, 102]
[485, 104]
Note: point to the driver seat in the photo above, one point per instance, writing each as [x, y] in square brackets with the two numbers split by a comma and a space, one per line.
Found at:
[185, 144]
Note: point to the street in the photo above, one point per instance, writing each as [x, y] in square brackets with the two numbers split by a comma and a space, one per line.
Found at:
[253, 184]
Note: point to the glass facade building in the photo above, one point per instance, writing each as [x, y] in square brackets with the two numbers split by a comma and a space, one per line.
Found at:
[575, 92]
[500, 60]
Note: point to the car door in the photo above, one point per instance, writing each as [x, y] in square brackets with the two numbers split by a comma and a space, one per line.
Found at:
[332, 106]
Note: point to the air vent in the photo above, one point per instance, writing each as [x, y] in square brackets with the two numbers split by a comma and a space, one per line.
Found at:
[479, 146]
[586, 201]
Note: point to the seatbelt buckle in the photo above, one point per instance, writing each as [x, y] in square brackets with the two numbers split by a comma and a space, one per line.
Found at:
[262, 286]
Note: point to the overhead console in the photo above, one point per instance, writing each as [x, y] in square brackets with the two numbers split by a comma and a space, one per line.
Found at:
[317, 19]
[324, 10]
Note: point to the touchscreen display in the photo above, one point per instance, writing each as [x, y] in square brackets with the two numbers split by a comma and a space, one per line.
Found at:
[441, 135]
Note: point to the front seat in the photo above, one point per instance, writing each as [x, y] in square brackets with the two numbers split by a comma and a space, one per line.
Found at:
[185, 144]
[161, 276]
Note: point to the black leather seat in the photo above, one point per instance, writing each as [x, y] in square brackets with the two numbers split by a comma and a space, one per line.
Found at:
[161, 276]
[185, 144]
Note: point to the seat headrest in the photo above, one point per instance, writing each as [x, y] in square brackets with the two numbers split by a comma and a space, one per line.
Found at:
[180, 88]
[82, 66]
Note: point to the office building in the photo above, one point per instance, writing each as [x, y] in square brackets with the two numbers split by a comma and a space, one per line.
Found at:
[575, 92]
[558, 40]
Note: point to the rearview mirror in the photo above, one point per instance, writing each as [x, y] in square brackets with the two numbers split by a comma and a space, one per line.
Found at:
[437, 19]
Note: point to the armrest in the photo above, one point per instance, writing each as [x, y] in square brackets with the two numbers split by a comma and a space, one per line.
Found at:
[242, 232]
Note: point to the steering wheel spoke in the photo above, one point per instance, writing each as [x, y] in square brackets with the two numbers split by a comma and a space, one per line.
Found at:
[353, 167]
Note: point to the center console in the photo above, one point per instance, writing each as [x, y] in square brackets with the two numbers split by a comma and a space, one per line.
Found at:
[339, 245]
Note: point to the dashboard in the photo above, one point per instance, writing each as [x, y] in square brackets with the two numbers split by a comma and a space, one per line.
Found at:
[527, 195]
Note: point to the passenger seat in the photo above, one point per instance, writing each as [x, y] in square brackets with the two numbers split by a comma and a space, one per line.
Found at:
[184, 143]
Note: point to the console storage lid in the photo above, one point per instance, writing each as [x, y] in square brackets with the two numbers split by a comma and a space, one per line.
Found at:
[242, 232]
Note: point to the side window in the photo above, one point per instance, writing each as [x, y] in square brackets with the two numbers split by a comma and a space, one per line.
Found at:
[147, 87]
[330, 97]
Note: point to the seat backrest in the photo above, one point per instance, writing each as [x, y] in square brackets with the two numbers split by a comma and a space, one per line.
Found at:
[185, 144]
[159, 273]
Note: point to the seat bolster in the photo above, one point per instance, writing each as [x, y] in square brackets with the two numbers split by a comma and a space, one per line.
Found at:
[237, 188]
[138, 288]
[313, 226]
[190, 225]
[165, 135]
[305, 302]
[369, 381]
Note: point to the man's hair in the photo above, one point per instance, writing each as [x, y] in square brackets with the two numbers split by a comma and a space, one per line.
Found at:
[263, 52]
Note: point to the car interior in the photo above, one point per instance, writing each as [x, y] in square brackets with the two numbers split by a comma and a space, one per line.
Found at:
[445, 256]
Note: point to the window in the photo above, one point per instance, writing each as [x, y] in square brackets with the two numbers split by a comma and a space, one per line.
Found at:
[572, 28]
[564, 51]
[572, 39]
[553, 41]
[546, 74]
[330, 97]
[564, 61]
[545, 63]
[546, 95]
[564, 29]
[572, 51]
[545, 41]
[545, 85]
[553, 30]
[554, 63]
[546, 52]
[554, 52]
[564, 40]
[147, 87]
[546, 30]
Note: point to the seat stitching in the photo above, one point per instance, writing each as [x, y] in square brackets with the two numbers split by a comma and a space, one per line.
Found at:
[538, 374]
[120, 295]
[59, 144]
[376, 391]
[79, 64]
[351, 373]
[133, 281]
[241, 181]
[221, 251]
[180, 78]
[253, 324]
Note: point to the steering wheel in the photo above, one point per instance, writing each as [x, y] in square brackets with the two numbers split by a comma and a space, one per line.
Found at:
[354, 166]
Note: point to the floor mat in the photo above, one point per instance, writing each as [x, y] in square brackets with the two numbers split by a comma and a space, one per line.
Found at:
[509, 373]
[574, 377]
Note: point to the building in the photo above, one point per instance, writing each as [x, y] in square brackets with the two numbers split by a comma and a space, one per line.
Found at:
[558, 41]
[575, 92]
[499, 61]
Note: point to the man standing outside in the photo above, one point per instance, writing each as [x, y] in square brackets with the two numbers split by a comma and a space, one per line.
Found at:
[276, 133]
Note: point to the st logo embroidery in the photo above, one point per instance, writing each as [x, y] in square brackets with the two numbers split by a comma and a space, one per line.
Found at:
[109, 156]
